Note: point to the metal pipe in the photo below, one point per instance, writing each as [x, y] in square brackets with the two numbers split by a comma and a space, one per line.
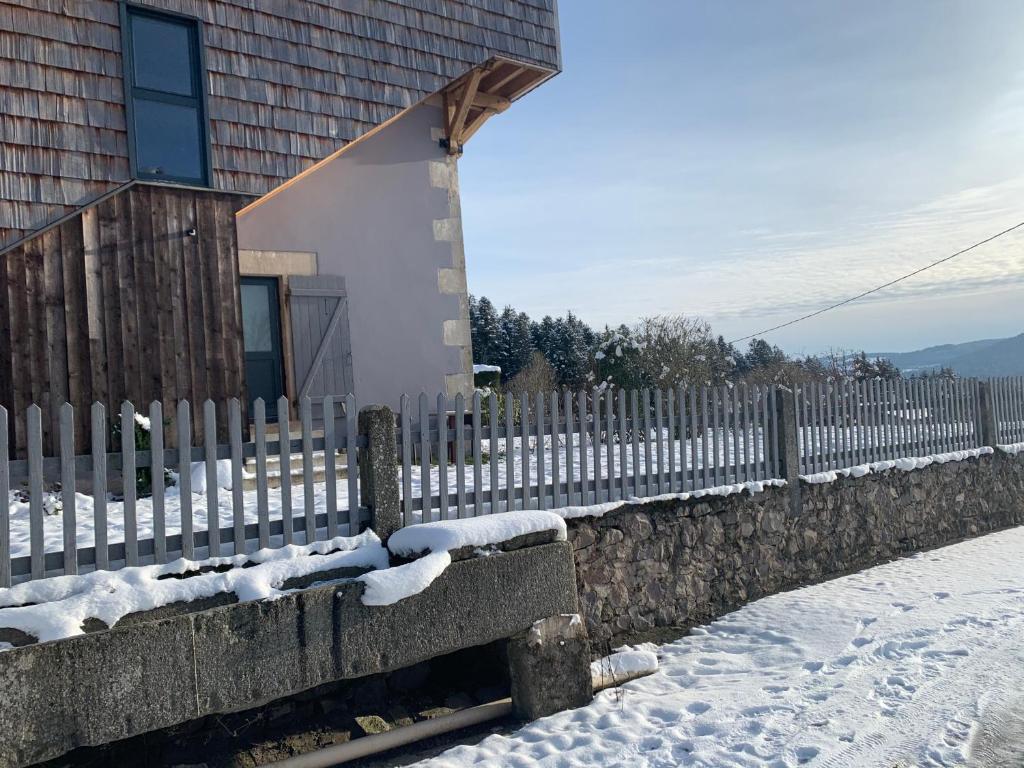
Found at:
[425, 729]
[382, 742]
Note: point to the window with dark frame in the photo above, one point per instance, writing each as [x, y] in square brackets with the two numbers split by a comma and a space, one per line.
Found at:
[164, 88]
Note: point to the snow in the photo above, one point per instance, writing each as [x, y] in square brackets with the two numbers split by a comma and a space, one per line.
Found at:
[907, 465]
[1013, 448]
[447, 535]
[85, 526]
[198, 476]
[55, 608]
[897, 665]
[600, 510]
[623, 665]
[480, 368]
[387, 587]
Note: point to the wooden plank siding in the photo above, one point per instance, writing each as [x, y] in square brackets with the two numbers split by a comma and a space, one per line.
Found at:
[119, 302]
[288, 83]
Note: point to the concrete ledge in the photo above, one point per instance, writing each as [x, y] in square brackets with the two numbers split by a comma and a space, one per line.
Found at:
[129, 680]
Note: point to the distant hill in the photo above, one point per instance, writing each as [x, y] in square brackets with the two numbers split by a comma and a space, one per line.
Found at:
[989, 357]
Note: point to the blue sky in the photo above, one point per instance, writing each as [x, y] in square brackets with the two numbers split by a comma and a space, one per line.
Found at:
[749, 161]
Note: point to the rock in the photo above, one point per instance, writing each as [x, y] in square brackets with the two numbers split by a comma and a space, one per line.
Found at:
[371, 724]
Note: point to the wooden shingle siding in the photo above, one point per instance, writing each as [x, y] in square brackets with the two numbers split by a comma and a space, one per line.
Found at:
[288, 81]
[119, 302]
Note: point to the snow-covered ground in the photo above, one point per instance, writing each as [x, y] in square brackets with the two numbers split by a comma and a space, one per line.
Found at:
[900, 665]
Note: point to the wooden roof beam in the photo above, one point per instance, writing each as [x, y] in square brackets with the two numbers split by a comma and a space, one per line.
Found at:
[463, 102]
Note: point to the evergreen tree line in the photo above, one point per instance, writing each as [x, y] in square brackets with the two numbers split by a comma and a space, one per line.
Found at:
[658, 351]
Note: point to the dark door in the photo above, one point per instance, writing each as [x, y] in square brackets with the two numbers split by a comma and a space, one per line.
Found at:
[261, 331]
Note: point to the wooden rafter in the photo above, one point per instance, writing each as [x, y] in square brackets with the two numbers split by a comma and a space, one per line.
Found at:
[462, 105]
[485, 91]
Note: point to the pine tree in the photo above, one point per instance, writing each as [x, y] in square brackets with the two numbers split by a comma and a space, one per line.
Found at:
[484, 331]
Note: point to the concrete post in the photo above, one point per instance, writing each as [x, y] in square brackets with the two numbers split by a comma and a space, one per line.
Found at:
[378, 470]
[789, 446]
[549, 666]
[988, 427]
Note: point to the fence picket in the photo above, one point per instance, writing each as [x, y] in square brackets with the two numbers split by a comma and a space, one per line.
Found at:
[156, 447]
[659, 436]
[308, 501]
[623, 443]
[542, 492]
[284, 453]
[98, 416]
[747, 437]
[609, 440]
[570, 469]
[5, 507]
[634, 433]
[733, 422]
[670, 408]
[330, 466]
[185, 479]
[67, 488]
[773, 415]
[492, 423]
[442, 456]
[524, 447]
[556, 480]
[212, 489]
[426, 514]
[34, 428]
[584, 421]
[460, 455]
[478, 471]
[691, 433]
[718, 465]
[131, 531]
[595, 431]
[704, 447]
[404, 419]
[352, 463]
[237, 499]
[645, 395]
[262, 495]
[510, 453]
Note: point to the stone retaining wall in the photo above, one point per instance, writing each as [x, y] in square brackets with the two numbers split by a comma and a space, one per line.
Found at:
[671, 565]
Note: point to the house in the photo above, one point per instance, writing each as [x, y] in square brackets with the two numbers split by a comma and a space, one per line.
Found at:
[227, 198]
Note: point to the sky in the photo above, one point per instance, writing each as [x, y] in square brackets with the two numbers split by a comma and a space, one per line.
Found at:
[750, 161]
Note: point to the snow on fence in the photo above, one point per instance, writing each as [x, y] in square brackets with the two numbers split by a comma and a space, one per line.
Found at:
[558, 449]
[843, 424]
[1008, 403]
[151, 518]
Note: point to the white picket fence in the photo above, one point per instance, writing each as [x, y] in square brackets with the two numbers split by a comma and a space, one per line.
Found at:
[456, 457]
[843, 424]
[1008, 404]
[560, 449]
[97, 531]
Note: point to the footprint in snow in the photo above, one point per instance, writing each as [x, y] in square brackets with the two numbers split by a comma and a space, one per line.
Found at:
[940, 595]
[698, 708]
[860, 642]
[813, 666]
[806, 754]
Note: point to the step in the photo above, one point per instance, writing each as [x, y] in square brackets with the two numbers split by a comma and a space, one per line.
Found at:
[296, 475]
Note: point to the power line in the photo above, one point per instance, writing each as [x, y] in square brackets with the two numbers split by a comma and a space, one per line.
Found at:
[907, 276]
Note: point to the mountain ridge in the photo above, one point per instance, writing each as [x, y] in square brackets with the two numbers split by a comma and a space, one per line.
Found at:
[985, 357]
